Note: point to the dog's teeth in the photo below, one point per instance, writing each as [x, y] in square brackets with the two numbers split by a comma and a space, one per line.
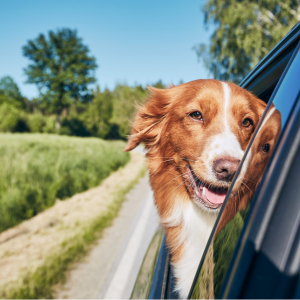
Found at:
[203, 191]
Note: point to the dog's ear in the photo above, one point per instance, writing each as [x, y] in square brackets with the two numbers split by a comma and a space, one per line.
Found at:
[149, 121]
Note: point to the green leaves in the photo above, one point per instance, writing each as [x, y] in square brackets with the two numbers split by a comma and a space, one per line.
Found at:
[99, 113]
[110, 113]
[10, 93]
[61, 68]
[245, 32]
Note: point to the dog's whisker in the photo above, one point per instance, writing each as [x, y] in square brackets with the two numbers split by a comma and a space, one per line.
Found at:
[162, 157]
[248, 179]
[172, 169]
[189, 159]
[172, 158]
[175, 178]
[239, 200]
[178, 186]
[247, 187]
[168, 160]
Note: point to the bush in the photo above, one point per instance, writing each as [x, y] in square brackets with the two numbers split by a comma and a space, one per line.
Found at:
[73, 125]
[12, 119]
[37, 169]
[49, 126]
[36, 122]
[10, 101]
[99, 113]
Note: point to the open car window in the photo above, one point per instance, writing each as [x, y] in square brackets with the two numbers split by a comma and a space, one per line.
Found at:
[277, 84]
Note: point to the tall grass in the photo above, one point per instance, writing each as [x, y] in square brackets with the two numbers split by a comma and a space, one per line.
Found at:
[36, 169]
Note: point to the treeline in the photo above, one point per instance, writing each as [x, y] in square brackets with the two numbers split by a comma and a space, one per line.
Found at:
[107, 115]
[62, 69]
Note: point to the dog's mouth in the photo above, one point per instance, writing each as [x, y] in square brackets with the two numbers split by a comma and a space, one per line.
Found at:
[208, 195]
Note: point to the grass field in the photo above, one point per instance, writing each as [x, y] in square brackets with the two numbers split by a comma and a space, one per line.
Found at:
[35, 256]
[36, 169]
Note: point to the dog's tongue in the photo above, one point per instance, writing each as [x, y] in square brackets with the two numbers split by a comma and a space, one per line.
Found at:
[214, 197]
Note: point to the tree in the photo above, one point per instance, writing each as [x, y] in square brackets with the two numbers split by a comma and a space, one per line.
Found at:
[99, 113]
[125, 100]
[10, 93]
[245, 31]
[61, 68]
[159, 84]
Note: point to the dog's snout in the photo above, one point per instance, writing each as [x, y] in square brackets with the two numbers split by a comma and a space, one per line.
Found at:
[225, 168]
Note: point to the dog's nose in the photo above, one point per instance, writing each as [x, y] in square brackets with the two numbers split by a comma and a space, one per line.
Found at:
[225, 168]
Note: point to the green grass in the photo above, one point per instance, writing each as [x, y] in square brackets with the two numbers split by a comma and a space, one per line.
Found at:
[39, 284]
[36, 169]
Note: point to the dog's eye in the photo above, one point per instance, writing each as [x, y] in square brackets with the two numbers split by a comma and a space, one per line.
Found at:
[196, 115]
[247, 123]
[265, 147]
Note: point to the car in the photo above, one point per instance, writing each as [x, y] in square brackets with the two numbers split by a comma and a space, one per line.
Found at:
[256, 254]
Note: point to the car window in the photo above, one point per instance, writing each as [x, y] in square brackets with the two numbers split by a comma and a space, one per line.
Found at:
[212, 270]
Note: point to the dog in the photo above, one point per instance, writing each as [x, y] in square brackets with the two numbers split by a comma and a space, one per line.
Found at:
[254, 165]
[195, 135]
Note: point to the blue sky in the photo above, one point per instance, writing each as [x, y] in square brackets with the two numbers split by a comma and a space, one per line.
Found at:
[133, 41]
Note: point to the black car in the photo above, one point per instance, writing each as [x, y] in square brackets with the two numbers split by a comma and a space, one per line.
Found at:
[257, 253]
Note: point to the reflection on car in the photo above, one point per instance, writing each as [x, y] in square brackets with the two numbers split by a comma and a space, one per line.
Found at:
[255, 164]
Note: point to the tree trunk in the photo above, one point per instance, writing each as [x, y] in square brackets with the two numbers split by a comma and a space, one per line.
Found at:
[58, 122]
[65, 112]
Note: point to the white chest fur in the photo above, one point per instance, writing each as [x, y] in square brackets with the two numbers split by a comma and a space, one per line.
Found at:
[197, 225]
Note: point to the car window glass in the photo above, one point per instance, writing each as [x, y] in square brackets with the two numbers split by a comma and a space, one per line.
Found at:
[288, 91]
[218, 256]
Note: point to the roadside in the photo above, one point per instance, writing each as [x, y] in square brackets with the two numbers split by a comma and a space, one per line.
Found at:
[35, 254]
[110, 269]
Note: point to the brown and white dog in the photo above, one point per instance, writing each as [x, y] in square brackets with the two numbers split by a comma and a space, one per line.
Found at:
[195, 134]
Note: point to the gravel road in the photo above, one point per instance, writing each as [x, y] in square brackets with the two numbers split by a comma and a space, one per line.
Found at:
[110, 268]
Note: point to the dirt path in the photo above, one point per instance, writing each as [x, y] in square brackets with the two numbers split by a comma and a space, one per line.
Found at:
[27, 246]
[110, 269]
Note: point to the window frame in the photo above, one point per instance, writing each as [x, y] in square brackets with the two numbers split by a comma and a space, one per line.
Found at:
[261, 218]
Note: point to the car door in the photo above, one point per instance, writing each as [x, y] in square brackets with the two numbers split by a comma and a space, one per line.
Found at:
[254, 248]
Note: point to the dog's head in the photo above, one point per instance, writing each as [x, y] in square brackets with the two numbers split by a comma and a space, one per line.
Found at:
[202, 128]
